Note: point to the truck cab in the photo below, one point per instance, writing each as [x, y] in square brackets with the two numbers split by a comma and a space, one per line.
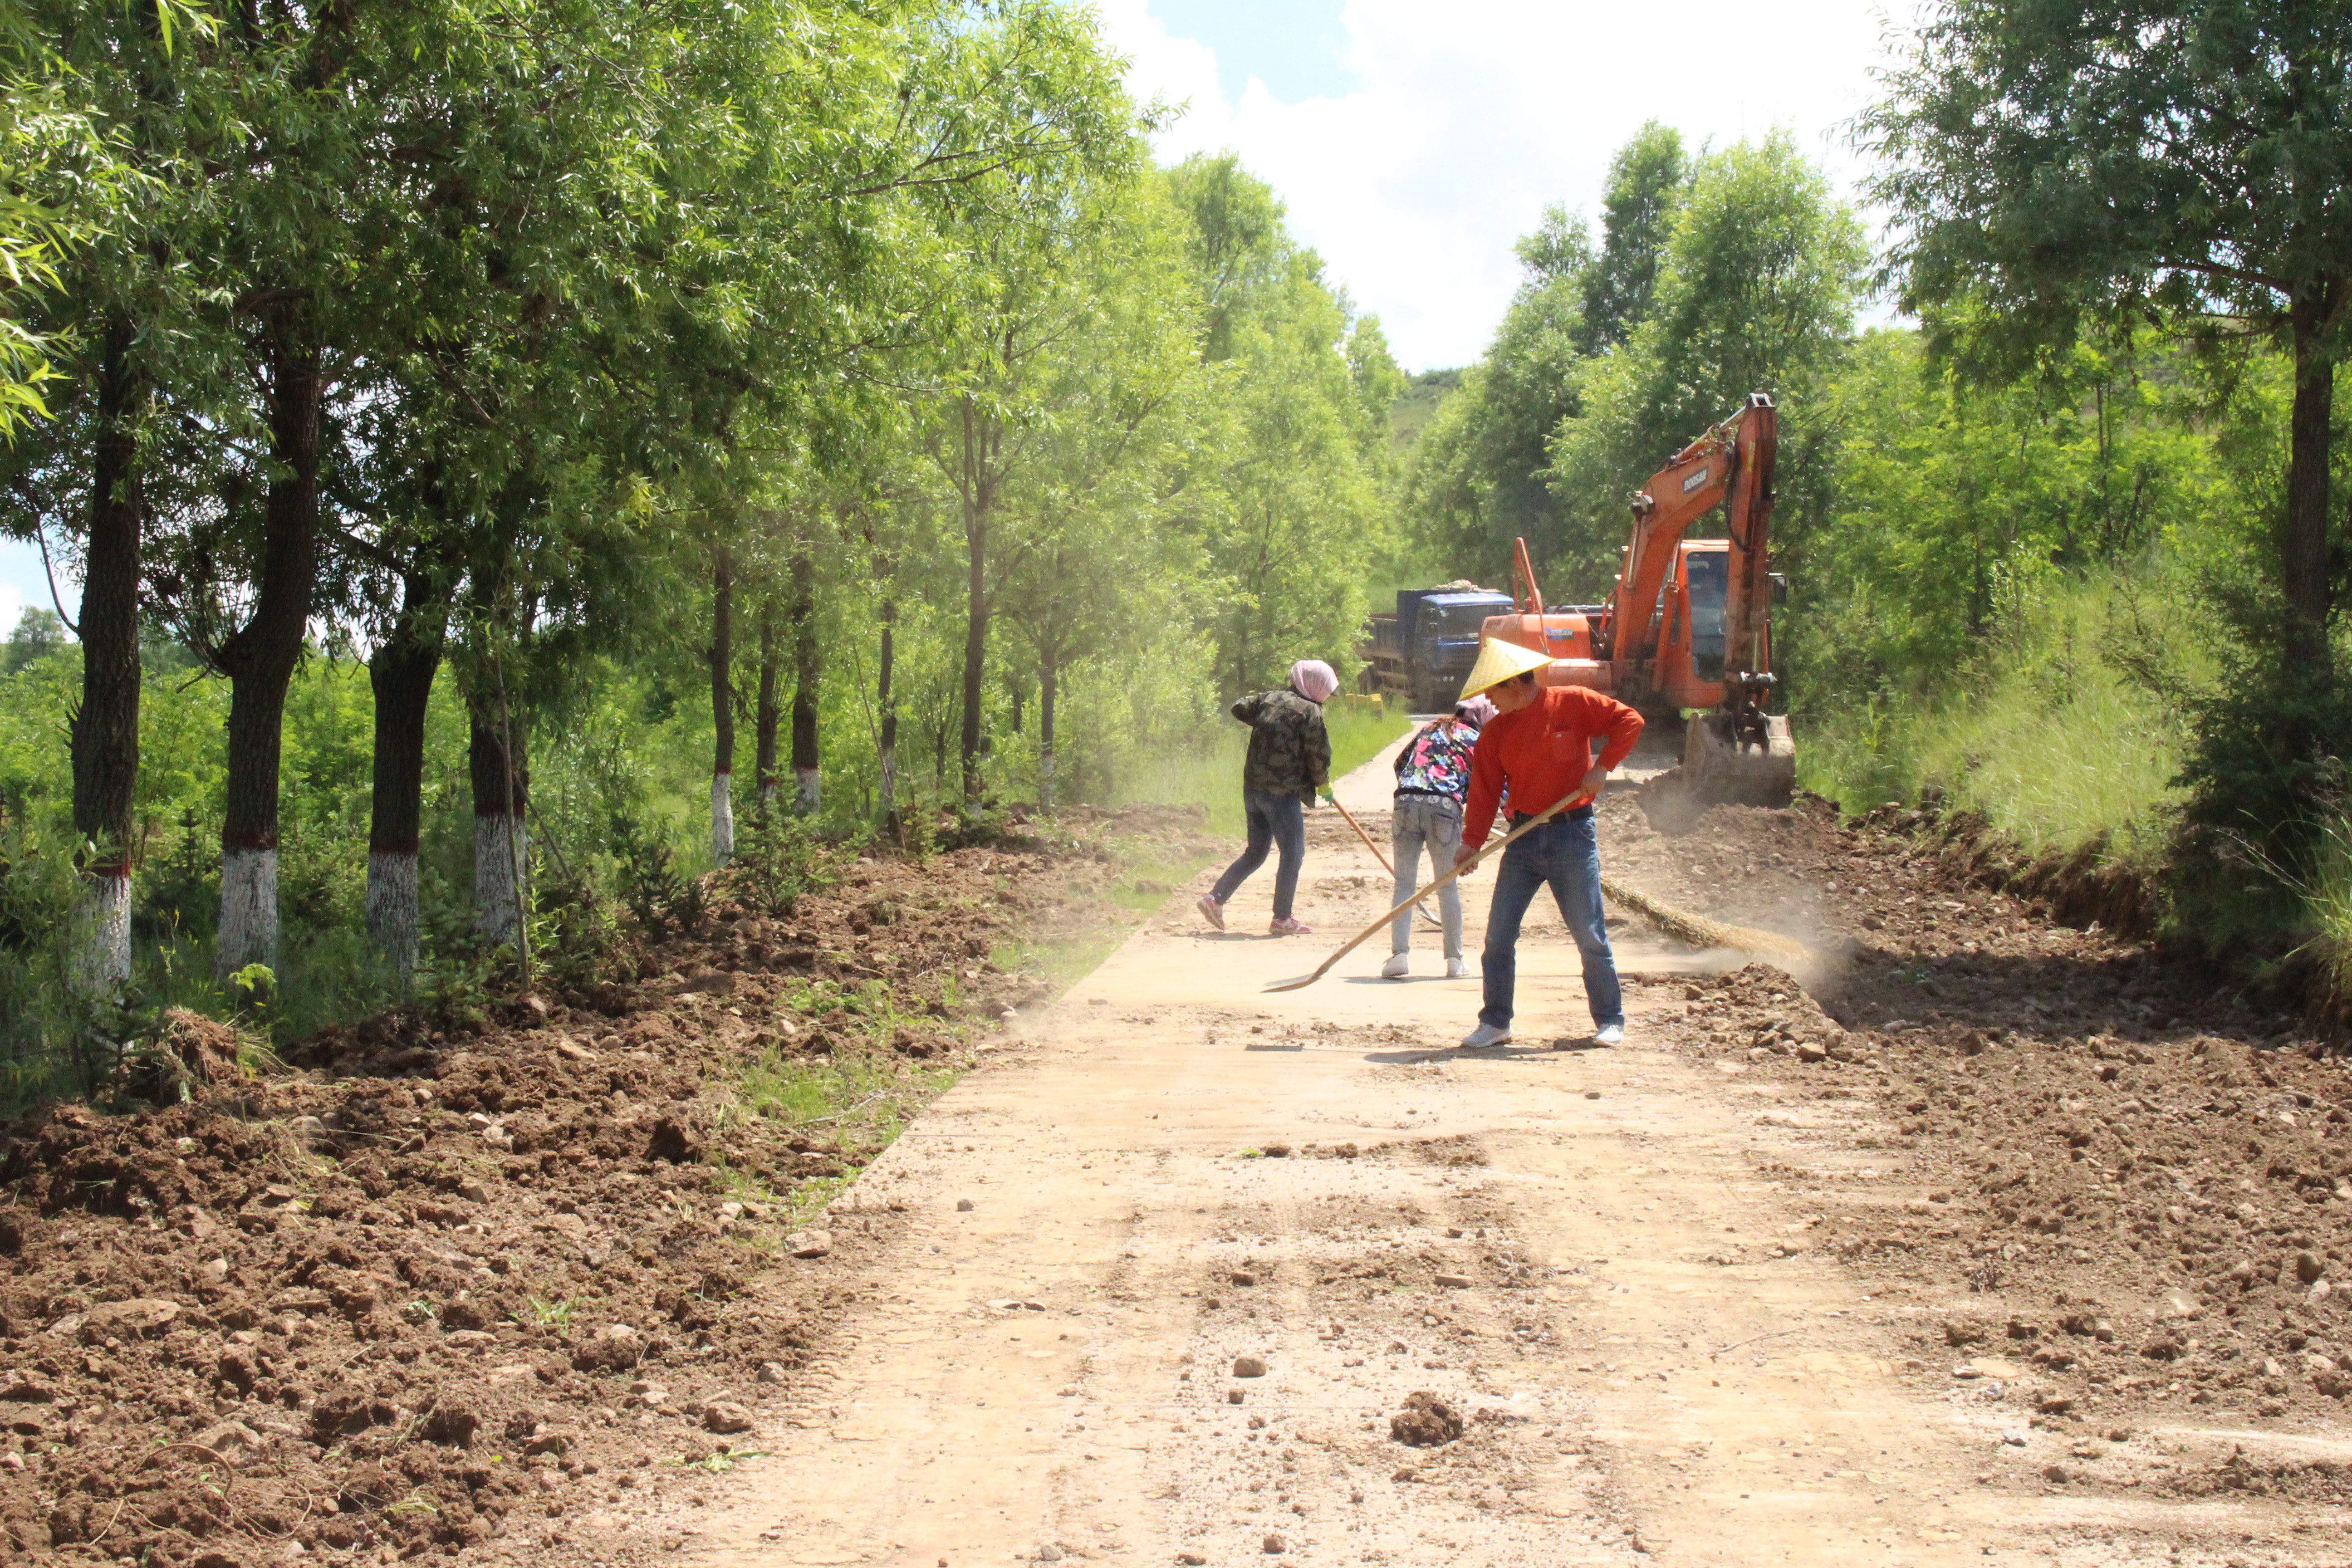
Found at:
[1439, 633]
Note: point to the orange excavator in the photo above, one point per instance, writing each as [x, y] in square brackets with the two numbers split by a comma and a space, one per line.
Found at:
[1689, 625]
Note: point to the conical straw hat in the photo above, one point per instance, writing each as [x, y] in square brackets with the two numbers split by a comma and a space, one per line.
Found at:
[1498, 661]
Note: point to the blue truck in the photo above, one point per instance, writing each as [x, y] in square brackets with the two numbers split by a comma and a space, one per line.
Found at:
[1422, 652]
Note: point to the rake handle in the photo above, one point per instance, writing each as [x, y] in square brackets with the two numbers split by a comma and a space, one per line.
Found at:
[1375, 853]
[1530, 825]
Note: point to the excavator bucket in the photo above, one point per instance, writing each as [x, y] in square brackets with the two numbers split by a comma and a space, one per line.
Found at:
[1721, 764]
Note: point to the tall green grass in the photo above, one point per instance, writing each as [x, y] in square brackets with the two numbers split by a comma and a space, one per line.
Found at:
[2326, 895]
[2064, 734]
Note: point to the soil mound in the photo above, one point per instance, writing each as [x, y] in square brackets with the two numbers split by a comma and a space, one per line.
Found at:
[1426, 1422]
[448, 1282]
[2118, 1182]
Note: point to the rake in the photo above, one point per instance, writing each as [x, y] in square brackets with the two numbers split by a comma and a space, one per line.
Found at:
[1530, 825]
[1383, 859]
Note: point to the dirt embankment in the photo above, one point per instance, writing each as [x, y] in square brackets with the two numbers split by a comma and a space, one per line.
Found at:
[438, 1287]
[2127, 1185]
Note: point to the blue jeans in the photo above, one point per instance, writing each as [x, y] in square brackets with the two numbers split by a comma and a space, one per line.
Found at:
[1274, 820]
[1565, 855]
[1420, 819]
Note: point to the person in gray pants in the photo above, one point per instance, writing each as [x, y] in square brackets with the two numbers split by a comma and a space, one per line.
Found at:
[1432, 778]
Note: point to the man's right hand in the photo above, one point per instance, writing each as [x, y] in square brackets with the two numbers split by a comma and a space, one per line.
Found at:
[1463, 855]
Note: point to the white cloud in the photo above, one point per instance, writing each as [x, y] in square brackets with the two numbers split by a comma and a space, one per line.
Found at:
[1469, 117]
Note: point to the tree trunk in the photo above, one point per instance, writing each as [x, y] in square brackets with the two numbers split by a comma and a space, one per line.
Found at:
[2303, 546]
[976, 498]
[259, 660]
[886, 749]
[1049, 688]
[722, 706]
[105, 730]
[770, 716]
[401, 674]
[502, 787]
[807, 668]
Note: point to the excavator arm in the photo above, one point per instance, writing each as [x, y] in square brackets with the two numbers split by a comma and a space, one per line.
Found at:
[1732, 462]
[1748, 600]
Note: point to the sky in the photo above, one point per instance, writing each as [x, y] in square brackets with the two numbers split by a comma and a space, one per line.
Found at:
[1413, 140]
[20, 582]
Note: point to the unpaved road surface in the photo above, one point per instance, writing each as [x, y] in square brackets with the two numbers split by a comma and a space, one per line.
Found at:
[1715, 1297]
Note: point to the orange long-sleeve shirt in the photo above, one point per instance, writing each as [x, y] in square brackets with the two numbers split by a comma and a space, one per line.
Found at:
[1544, 749]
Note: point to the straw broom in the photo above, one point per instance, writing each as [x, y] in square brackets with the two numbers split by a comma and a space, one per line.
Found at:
[1697, 929]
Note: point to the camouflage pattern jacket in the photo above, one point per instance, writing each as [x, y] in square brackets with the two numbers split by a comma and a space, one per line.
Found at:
[1289, 752]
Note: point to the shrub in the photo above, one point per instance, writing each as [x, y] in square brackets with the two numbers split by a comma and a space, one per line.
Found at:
[777, 859]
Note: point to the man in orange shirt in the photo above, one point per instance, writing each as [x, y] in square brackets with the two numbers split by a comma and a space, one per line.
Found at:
[1540, 745]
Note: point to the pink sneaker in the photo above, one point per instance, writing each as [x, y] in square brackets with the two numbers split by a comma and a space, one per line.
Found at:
[1211, 910]
[1289, 928]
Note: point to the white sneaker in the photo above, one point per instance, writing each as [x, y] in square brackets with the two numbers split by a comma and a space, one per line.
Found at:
[1485, 1034]
[1609, 1035]
[1397, 967]
[1456, 968]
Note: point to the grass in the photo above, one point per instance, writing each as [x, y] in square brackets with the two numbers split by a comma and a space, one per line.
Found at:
[551, 1314]
[2324, 893]
[1061, 962]
[861, 1096]
[2055, 739]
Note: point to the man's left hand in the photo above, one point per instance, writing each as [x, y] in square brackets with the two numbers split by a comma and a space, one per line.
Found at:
[1589, 791]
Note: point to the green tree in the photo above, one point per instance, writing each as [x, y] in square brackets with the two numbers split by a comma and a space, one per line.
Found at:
[1958, 506]
[1091, 570]
[38, 633]
[1480, 477]
[2056, 175]
[1648, 180]
[1027, 249]
[1285, 475]
[1756, 293]
[2062, 166]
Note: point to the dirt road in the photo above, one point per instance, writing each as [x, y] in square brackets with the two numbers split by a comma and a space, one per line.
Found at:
[1167, 1268]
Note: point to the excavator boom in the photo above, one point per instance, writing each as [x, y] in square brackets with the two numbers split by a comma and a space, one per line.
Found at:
[1732, 462]
[1690, 627]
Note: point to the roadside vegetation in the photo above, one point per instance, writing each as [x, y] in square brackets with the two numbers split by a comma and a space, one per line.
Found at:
[2065, 556]
[741, 423]
[475, 526]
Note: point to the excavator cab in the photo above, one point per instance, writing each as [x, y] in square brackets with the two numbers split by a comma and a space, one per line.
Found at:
[1705, 580]
[1687, 669]
[1688, 630]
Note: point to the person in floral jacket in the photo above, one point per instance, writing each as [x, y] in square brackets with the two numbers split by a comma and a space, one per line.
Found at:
[1432, 780]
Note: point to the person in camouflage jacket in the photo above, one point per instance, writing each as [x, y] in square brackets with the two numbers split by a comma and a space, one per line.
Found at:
[1289, 763]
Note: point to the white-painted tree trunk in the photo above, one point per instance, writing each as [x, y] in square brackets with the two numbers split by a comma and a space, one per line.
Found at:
[102, 938]
[248, 923]
[888, 789]
[1045, 779]
[722, 817]
[392, 906]
[808, 791]
[499, 843]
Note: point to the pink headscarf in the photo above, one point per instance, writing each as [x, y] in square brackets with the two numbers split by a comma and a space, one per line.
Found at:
[1313, 679]
[1479, 710]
